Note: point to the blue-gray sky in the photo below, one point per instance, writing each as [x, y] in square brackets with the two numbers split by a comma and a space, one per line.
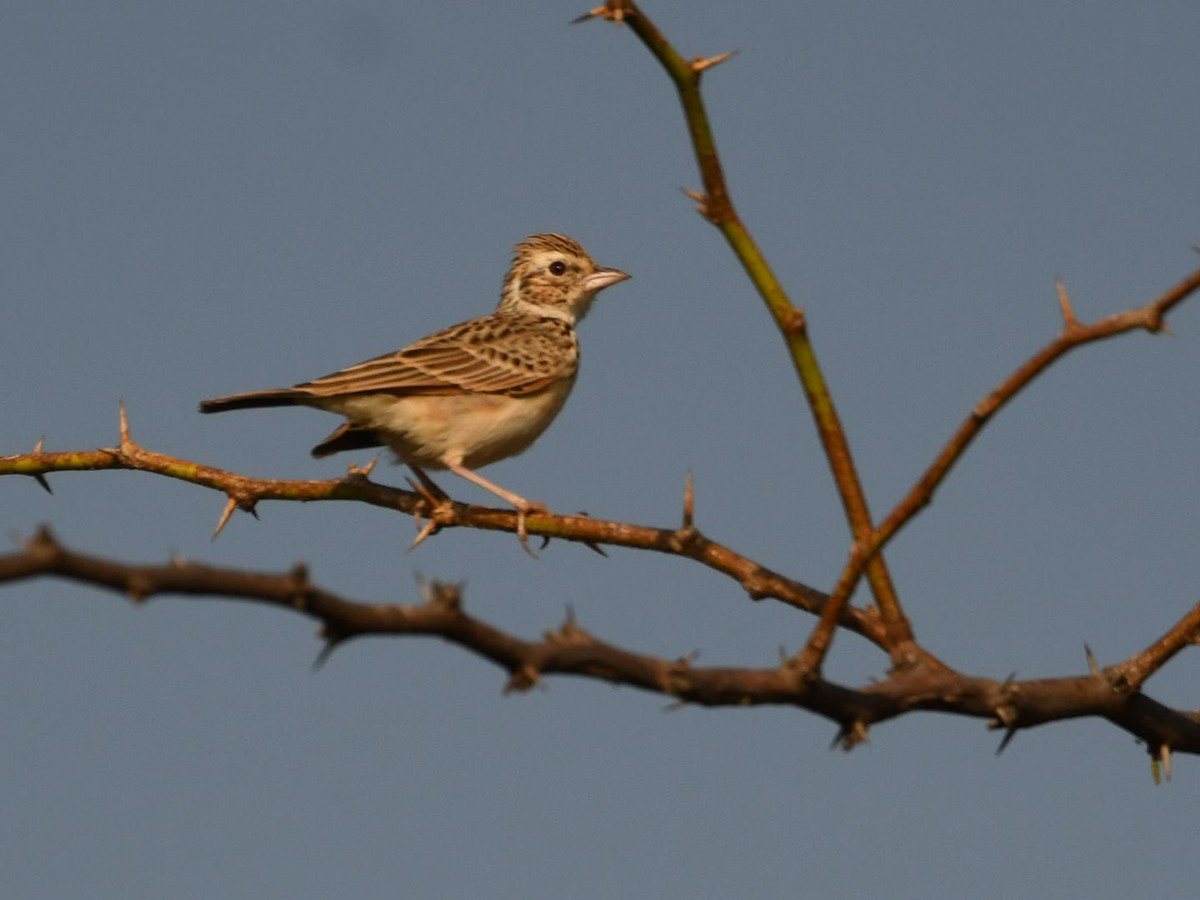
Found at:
[204, 198]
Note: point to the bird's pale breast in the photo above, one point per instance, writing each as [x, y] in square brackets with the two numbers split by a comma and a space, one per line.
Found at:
[473, 429]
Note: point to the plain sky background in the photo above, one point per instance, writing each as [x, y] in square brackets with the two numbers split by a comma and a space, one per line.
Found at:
[200, 198]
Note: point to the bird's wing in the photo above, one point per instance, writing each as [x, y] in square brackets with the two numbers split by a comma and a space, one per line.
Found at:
[492, 354]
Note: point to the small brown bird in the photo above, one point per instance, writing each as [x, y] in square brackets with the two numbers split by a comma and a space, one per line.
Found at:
[471, 394]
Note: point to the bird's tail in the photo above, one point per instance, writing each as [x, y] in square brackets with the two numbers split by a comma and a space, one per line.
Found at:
[252, 400]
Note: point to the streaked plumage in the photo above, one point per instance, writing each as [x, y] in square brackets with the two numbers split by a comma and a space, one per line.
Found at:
[471, 394]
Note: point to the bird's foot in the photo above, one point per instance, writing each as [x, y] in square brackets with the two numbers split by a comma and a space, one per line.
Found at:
[434, 505]
[524, 507]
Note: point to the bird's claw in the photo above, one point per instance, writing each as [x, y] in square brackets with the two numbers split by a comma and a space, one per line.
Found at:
[522, 533]
[432, 501]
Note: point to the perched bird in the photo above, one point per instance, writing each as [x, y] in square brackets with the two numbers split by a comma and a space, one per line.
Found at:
[471, 394]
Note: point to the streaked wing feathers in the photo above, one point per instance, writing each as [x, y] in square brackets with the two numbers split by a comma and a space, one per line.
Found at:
[494, 354]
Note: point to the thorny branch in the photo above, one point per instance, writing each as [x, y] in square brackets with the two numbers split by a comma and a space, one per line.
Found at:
[571, 650]
[1150, 317]
[246, 493]
[868, 541]
[917, 682]
[716, 205]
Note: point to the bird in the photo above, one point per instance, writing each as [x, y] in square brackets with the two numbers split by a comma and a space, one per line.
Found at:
[471, 394]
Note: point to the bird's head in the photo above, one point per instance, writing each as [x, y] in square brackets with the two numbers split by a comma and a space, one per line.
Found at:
[551, 275]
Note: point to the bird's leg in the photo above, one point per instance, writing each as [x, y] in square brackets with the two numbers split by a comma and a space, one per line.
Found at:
[522, 506]
[433, 491]
[432, 497]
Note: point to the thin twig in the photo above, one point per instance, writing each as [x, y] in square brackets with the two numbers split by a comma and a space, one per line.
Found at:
[717, 206]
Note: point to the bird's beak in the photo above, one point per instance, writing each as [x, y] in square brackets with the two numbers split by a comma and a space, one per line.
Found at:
[602, 278]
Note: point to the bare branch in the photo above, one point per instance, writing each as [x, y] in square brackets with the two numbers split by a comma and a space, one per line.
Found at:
[757, 580]
[1140, 667]
[570, 650]
[1074, 334]
[717, 206]
[917, 681]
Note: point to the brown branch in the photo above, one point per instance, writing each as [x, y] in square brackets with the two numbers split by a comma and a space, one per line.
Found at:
[1141, 666]
[918, 682]
[1150, 317]
[245, 493]
[869, 541]
[1074, 334]
[570, 650]
[716, 205]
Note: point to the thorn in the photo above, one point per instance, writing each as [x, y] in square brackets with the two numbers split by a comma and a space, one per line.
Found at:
[567, 632]
[1008, 736]
[1005, 715]
[226, 515]
[522, 679]
[1093, 666]
[700, 63]
[593, 13]
[42, 540]
[591, 545]
[1064, 305]
[40, 478]
[689, 500]
[850, 735]
[701, 203]
[442, 594]
[688, 658]
[431, 527]
[613, 10]
[332, 642]
[364, 471]
[123, 418]
[323, 656]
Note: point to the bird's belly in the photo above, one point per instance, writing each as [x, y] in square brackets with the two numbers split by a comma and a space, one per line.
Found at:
[470, 429]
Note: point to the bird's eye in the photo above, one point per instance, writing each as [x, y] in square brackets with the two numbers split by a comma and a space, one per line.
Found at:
[558, 267]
